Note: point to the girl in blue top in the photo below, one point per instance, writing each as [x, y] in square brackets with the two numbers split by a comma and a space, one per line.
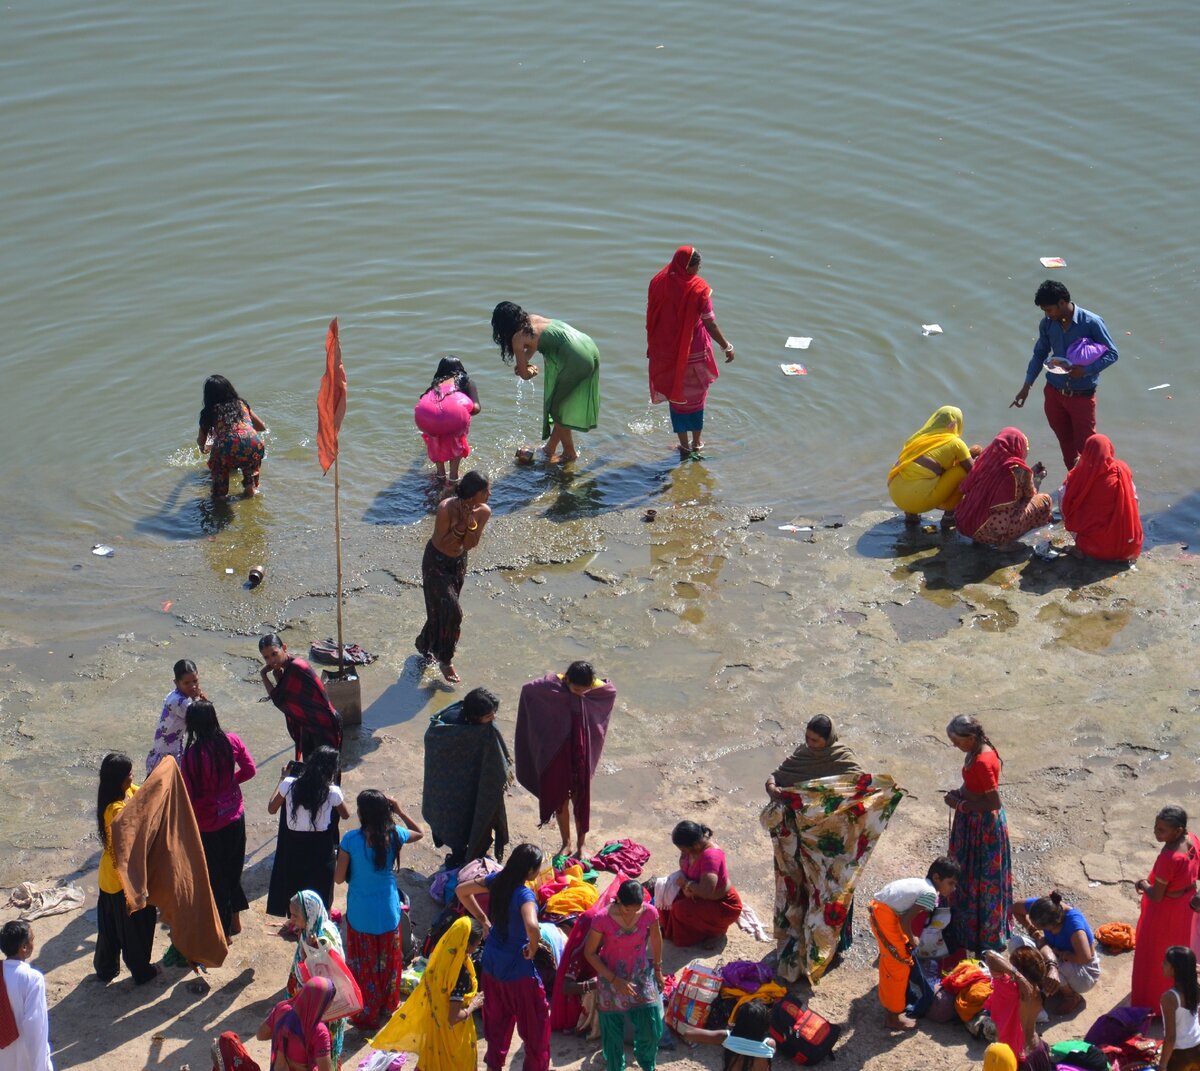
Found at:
[367, 859]
[1063, 936]
[512, 989]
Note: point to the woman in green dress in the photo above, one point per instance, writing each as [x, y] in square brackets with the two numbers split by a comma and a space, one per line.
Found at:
[571, 394]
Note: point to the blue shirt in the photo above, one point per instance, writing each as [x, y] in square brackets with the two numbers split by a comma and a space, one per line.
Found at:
[372, 900]
[1053, 339]
[1072, 922]
[503, 954]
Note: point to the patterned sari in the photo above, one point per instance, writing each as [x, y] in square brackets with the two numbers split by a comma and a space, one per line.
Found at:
[823, 833]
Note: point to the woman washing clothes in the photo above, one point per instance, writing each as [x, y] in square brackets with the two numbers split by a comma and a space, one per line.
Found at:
[1100, 505]
[1000, 496]
[1064, 938]
[931, 466]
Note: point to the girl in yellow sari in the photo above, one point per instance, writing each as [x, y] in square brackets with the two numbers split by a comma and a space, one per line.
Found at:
[930, 467]
[437, 1022]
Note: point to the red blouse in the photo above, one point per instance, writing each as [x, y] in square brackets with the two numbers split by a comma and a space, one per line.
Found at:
[982, 774]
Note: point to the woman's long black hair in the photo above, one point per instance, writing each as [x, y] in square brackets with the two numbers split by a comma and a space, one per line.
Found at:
[311, 788]
[378, 826]
[523, 864]
[753, 1023]
[114, 771]
[451, 367]
[206, 742]
[1183, 966]
[218, 391]
[507, 320]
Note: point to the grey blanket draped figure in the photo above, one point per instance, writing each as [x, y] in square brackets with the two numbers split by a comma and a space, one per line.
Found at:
[467, 768]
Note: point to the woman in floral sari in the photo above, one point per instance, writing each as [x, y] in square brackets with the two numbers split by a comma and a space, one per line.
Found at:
[824, 820]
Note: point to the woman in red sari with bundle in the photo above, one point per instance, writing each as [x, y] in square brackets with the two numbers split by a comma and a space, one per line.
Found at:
[1000, 496]
[680, 326]
[1099, 505]
[1166, 916]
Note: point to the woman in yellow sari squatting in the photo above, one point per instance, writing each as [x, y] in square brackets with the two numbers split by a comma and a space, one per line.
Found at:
[930, 467]
[436, 1022]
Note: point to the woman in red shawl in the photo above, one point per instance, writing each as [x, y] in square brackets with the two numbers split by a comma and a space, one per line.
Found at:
[1001, 501]
[680, 326]
[299, 1039]
[1099, 506]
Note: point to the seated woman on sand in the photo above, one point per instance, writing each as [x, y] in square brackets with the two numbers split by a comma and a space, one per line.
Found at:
[931, 465]
[1000, 497]
[1100, 506]
[706, 904]
[1064, 938]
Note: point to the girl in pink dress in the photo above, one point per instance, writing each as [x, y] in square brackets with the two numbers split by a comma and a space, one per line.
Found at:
[443, 415]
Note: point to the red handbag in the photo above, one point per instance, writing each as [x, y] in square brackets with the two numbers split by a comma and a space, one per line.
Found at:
[801, 1034]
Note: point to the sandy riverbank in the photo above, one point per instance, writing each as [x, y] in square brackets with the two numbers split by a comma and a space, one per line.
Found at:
[723, 635]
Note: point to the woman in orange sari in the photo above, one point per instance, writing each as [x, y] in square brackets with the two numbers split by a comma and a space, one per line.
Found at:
[1000, 496]
[680, 326]
[1099, 505]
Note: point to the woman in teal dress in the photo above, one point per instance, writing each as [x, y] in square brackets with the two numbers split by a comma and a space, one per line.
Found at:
[571, 392]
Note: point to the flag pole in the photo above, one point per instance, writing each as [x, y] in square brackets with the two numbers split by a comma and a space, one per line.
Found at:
[337, 535]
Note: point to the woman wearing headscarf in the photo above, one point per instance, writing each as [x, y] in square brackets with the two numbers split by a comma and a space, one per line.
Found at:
[680, 327]
[308, 915]
[931, 465]
[824, 818]
[1100, 506]
[436, 1022]
[299, 1040]
[1000, 497]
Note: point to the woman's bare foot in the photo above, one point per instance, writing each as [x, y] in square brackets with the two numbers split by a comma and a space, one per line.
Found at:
[565, 458]
[450, 673]
[899, 1022]
[697, 445]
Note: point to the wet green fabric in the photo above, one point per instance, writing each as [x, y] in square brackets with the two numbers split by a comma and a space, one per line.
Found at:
[571, 378]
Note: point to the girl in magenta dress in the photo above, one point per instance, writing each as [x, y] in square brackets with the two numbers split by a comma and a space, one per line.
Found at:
[443, 415]
[706, 904]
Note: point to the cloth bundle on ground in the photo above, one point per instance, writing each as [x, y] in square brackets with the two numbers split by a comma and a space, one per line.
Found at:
[565, 1008]
[559, 739]
[823, 832]
[36, 900]
[1117, 936]
[1117, 1026]
[326, 651]
[1100, 506]
[767, 993]
[467, 768]
[621, 856]
[160, 860]
[1079, 1054]
[229, 1054]
[568, 895]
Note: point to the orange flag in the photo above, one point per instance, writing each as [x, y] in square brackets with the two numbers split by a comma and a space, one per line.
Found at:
[331, 399]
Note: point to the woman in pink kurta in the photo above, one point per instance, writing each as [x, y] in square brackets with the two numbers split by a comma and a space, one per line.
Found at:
[1166, 917]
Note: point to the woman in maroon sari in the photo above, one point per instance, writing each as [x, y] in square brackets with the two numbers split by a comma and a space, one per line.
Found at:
[297, 691]
[680, 326]
[1001, 501]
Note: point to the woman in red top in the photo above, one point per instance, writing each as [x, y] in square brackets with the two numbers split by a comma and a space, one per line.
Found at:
[215, 763]
[979, 840]
[706, 904]
[1166, 917]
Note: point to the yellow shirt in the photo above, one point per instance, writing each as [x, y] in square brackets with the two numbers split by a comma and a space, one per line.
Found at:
[110, 881]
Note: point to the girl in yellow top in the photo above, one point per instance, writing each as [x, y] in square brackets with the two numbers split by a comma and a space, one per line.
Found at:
[930, 467]
[120, 935]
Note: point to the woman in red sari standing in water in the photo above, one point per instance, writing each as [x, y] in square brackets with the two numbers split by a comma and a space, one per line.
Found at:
[1166, 917]
[706, 904]
[680, 327]
[1100, 506]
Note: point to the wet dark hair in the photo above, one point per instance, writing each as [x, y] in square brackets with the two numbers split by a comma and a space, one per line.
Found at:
[967, 725]
[1183, 965]
[114, 770]
[631, 893]
[581, 674]
[523, 864]
[271, 639]
[375, 819]
[1172, 815]
[13, 936]
[686, 834]
[477, 704]
[820, 725]
[1051, 292]
[183, 667]
[507, 320]
[206, 742]
[471, 484]
[450, 367]
[1047, 910]
[943, 867]
[1031, 964]
[218, 391]
[311, 788]
[752, 1022]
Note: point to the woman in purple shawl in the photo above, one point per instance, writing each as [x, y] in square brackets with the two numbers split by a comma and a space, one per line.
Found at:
[562, 720]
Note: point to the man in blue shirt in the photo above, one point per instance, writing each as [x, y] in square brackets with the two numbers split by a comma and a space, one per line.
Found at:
[1070, 393]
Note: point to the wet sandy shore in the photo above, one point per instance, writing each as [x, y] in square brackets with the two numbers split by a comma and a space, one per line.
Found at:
[723, 635]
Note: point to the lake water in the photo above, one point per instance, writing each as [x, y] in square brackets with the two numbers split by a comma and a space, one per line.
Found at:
[191, 188]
